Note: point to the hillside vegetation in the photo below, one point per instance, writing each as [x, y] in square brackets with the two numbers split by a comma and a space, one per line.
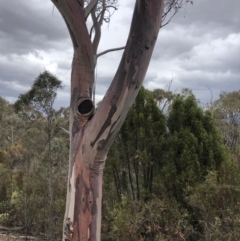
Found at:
[172, 174]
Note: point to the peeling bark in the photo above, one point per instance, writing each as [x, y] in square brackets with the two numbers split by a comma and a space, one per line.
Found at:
[92, 134]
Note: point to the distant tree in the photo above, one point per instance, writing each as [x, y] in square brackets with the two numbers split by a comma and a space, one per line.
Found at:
[12, 151]
[135, 155]
[40, 100]
[42, 93]
[226, 111]
[24, 166]
[215, 204]
[163, 98]
[194, 146]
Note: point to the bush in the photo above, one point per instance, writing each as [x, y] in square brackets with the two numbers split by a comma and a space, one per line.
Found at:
[154, 220]
[216, 205]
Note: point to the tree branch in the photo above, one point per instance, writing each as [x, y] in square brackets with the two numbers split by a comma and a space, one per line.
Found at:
[110, 50]
[97, 26]
[130, 74]
[11, 228]
[89, 8]
[102, 12]
[83, 60]
[63, 129]
[174, 4]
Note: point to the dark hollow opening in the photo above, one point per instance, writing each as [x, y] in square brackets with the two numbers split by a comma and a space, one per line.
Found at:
[85, 107]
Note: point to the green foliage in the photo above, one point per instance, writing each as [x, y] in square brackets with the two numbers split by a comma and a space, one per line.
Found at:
[33, 159]
[163, 98]
[167, 177]
[215, 202]
[190, 178]
[137, 149]
[42, 93]
[155, 220]
[5, 209]
[226, 111]
[193, 146]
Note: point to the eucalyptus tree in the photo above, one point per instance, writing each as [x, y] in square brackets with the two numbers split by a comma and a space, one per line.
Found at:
[37, 105]
[12, 150]
[226, 111]
[92, 131]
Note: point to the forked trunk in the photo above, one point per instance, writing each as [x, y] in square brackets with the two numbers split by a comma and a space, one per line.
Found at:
[93, 131]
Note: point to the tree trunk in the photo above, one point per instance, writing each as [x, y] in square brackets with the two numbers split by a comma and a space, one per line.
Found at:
[129, 172]
[117, 183]
[92, 134]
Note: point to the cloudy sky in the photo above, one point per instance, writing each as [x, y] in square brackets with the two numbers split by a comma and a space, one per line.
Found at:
[199, 49]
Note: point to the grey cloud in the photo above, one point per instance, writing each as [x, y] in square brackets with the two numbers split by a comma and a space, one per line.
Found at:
[36, 20]
[16, 78]
[25, 27]
[30, 26]
[229, 64]
[201, 46]
[218, 56]
[11, 91]
[16, 70]
[214, 14]
[102, 84]
[174, 43]
[64, 65]
[202, 82]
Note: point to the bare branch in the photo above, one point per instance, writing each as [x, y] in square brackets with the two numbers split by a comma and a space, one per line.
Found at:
[110, 50]
[169, 20]
[97, 28]
[90, 7]
[170, 5]
[102, 12]
[66, 131]
[211, 100]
